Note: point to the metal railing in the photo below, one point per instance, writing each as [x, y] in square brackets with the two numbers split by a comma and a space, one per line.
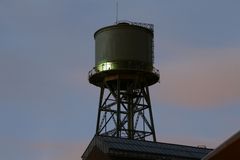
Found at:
[107, 66]
[140, 24]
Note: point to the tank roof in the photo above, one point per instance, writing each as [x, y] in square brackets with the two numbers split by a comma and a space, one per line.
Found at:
[144, 26]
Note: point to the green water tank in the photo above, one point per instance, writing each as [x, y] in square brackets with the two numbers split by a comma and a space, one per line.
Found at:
[123, 47]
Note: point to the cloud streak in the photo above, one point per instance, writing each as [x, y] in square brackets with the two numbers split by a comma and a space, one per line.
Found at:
[42, 150]
[191, 141]
[203, 80]
[61, 151]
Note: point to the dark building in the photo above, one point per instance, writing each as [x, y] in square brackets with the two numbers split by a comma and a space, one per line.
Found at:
[227, 150]
[112, 148]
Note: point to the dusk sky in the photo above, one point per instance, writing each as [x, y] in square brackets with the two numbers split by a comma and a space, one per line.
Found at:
[47, 107]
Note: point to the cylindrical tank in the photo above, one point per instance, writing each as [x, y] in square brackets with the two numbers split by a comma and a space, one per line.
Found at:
[124, 48]
[124, 43]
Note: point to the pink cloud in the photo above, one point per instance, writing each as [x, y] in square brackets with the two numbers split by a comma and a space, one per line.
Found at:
[73, 155]
[190, 140]
[73, 152]
[58, 150]
[210, 79]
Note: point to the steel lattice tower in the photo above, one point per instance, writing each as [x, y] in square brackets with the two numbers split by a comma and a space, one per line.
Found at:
[124, 71]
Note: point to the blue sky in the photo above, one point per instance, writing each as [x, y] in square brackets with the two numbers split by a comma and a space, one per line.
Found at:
[47, 107]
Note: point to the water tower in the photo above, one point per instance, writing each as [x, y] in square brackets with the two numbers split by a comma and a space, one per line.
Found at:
[124, 71]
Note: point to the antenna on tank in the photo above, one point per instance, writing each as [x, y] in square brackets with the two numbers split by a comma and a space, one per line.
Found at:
[116, 11]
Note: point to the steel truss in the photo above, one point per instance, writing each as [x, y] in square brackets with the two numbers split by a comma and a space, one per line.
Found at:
[125, 111]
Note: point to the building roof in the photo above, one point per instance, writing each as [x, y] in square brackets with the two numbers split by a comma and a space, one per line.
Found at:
[143, 149]
[227, 150]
